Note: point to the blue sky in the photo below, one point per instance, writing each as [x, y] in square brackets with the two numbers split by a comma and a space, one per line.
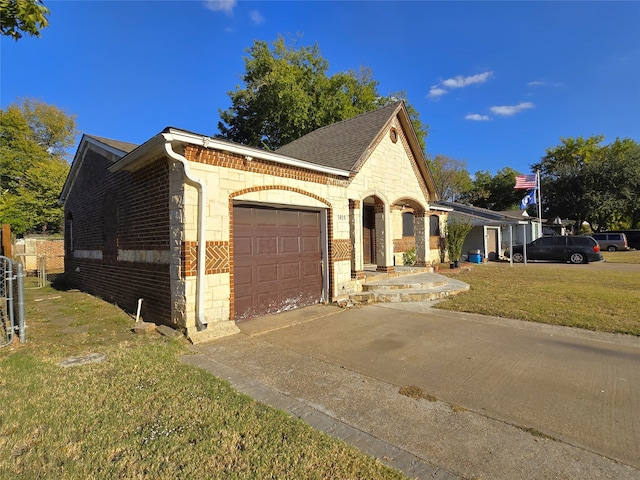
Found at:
[497, 82]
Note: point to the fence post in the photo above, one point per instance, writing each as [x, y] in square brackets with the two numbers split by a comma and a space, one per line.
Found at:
[42, 276]
[22, 326]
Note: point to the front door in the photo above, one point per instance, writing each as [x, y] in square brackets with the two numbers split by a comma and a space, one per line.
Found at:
[369, 234]
[492, 244]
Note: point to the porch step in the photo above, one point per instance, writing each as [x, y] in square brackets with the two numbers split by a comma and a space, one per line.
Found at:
[411, 288]
[404, 284]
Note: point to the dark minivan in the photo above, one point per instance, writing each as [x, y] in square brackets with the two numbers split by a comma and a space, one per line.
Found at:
[572, 248]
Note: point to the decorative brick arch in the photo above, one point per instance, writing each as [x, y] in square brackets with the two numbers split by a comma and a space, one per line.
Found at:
[411, 202]
[275, 187]
[260, 188]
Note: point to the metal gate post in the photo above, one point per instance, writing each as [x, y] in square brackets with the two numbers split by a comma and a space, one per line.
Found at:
[7, 323]
[22, 326]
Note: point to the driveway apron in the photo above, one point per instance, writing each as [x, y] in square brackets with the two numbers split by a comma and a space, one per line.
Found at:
[514, 399]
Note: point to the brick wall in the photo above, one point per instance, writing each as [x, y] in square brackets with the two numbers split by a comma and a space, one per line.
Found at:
[109, 217]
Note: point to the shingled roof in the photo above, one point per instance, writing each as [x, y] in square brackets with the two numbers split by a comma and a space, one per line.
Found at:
[125, 147]
[342, 145]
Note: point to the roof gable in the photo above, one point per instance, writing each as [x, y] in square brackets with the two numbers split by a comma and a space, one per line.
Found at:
[343, 144]
[113, 149]
[348, 144]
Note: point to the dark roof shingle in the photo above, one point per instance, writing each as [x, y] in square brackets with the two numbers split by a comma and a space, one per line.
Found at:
[341, 145]
[125, 147]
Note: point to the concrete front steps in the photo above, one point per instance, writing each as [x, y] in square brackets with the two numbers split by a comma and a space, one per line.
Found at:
[418, 287]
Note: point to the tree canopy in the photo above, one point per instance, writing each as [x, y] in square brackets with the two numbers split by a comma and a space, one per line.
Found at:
[34, 138]
[494, 192]
[287, 93]
[450, 176]
[22, 16]
[587, 181]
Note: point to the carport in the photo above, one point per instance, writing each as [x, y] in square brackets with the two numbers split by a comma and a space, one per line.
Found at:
[494, 231]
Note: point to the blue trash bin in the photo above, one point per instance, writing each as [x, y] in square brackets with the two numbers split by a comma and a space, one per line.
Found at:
[475, 256]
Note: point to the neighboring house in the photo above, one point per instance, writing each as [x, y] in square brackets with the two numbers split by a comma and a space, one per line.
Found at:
[493, 232]
[279, 230]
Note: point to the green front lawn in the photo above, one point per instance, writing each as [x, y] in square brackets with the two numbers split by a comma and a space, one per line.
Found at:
[142, 413]
[570, 295]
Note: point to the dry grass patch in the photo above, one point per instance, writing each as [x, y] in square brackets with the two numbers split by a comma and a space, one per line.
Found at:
[412, 391]
[601, 300]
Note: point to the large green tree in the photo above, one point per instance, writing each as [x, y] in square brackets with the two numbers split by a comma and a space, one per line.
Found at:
[450, 176]
[587, 181]
[494, 192]
[22, 16]
[34, 138]
[287, 93]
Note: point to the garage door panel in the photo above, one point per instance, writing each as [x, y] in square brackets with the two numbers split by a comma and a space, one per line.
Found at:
[310, 244]
[281, 269]
[244, 304]
[290, 270]
[266, 273]
[265, 217]
[265, 246]
[311, 269]
[243, 246]
[267, 302]
[243, 275]
[309, 219]
[242, 216]
[289, 245]
[288, 218]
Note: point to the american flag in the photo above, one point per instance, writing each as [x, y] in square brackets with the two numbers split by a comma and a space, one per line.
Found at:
[525, 182]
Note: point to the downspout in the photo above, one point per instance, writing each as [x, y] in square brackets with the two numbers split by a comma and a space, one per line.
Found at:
[201, 322]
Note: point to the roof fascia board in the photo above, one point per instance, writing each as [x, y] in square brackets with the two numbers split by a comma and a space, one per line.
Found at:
[208, 142]
[414, 144]
[134, 159]
[440, 208]
[108, 148]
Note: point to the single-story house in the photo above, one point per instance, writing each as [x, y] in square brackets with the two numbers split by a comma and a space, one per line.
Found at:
[492, 232]
[208, 232]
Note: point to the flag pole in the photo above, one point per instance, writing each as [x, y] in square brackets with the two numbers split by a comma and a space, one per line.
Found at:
[539, 201]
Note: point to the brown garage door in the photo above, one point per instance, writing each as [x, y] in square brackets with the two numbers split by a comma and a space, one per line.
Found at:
[277, 260]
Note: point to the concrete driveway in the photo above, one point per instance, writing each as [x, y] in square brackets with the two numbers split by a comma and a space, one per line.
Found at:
[515, 399]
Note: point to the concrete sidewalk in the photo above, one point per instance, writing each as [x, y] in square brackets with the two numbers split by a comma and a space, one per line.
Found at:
[515, 399]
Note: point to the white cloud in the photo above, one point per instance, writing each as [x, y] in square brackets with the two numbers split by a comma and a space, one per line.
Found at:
[508, 110]
[536, 83]
[460, 81]
[220, 5]
[457, 82]
[256, 17]
[436, 92]
[477, 117]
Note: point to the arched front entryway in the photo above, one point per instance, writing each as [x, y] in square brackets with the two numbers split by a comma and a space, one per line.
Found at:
[410, 230]
[376, 246]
